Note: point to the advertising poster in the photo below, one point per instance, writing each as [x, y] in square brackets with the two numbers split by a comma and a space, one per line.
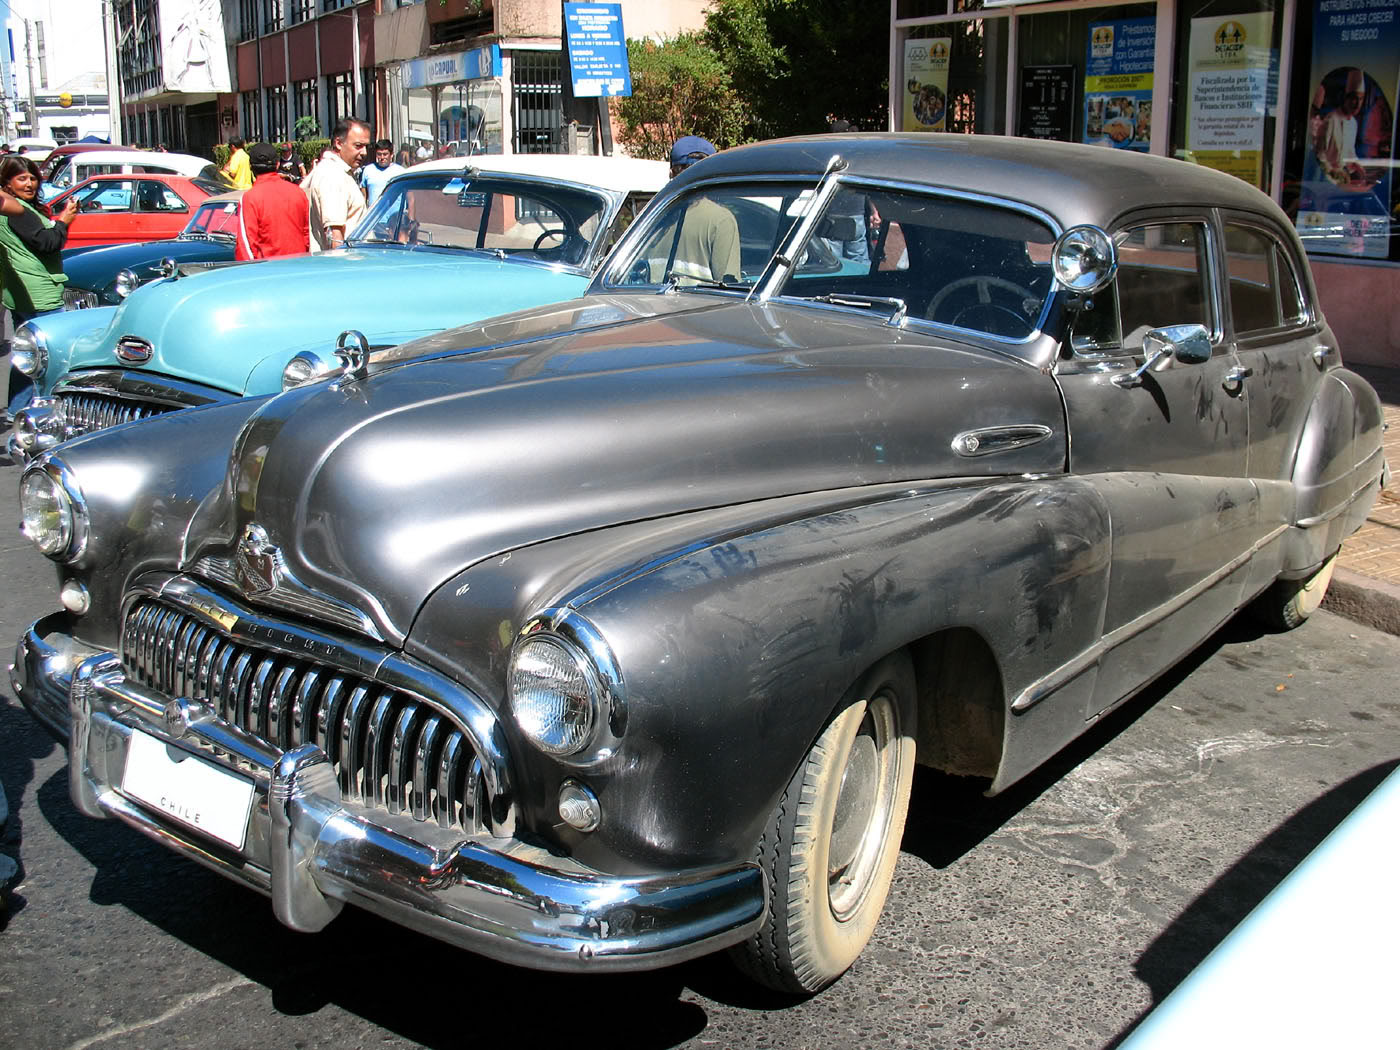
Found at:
[194, 56]
[1344, 198]
[1229, 76]
[926, 84]
[1118, 84]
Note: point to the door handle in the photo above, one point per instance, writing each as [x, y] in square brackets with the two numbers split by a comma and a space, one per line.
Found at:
[1237, 375]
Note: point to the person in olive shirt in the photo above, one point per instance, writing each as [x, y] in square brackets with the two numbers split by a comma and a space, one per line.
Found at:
[30, 261]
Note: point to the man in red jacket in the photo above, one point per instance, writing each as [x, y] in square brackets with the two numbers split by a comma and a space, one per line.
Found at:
[274, 216]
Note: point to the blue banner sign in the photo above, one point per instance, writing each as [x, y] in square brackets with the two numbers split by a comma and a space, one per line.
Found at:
[477, 64]
[597, 50]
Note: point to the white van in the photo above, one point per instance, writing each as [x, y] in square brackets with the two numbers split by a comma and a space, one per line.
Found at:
[76, 167]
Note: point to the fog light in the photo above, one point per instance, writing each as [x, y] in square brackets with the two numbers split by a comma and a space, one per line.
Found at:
[74, 597]
[578, 807]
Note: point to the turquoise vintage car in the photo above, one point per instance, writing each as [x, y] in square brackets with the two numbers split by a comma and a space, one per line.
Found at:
[445, 245]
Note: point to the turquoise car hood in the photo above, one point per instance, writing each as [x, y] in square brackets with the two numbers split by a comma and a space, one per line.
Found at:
[216, 328]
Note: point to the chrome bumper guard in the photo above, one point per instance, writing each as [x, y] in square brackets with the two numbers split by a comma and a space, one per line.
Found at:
[499, 897]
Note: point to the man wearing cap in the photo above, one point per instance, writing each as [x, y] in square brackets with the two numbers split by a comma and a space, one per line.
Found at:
[273, 216]
[707, 248]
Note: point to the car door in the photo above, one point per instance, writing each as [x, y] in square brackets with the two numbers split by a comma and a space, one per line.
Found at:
[104, 213]
[160, 212]
[1168, 447]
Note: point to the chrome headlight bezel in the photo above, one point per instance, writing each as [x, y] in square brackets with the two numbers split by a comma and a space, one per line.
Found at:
[597, 716]
[78, 298]
[29, 350]
[50, 479]
[305, 367]
[126, 282]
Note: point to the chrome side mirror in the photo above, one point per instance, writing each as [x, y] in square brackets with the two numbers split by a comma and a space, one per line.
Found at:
[1187, 343]
[1084, 259]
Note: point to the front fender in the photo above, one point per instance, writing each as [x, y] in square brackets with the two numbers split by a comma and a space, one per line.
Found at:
[71, 335]
[735, 646]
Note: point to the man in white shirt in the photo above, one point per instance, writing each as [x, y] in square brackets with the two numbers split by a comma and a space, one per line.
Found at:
[337, 202]
[374, 176]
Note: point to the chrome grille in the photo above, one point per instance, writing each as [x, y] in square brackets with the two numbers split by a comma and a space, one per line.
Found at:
[84, 413]
[391, 751]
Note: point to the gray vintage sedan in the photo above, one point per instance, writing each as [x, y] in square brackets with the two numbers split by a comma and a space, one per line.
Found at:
[606, 634]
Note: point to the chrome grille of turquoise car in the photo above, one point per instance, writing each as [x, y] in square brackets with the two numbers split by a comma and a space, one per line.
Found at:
[390, 751]
[84, 413]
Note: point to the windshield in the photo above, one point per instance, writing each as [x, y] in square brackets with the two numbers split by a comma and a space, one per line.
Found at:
[537, 220]
[968, 264]
[218, 220]
[53, 168]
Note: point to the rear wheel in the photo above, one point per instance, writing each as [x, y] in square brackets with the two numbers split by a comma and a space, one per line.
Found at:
[1287, 603]
[831, 843]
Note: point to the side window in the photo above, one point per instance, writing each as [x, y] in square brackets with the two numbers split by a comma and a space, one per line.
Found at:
[110, 196]
[1265, 292]
[156, 196]
[1162, 280]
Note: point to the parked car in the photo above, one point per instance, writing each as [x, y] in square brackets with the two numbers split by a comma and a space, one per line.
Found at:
[608, 633]
[122, 209]
[76, 168]
[104, 275]
[445, 244]
[57, 156]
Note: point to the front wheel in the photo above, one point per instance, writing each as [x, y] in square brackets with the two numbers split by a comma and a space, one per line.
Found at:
[1287, 603]
[830, 846]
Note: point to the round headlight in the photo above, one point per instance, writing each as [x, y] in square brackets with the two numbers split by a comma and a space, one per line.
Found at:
[303, 368]
[46, 513]
[126, 283]
[29, 350]
[1084, 259]
[554, 693]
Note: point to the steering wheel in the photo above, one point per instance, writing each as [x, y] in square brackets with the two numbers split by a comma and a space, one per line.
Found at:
[561, 233]
[984, 286]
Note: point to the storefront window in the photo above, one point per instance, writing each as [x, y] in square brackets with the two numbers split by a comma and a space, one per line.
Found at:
[1339, 180]
[464, 118]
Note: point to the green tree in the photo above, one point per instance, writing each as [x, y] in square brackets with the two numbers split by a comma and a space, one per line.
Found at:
[679, 87]
[797, 64]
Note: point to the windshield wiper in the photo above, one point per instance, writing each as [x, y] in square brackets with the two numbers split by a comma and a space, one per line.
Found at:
[899, 309]
[673, 283]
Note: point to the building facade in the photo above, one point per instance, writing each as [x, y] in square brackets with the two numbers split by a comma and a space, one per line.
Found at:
[1297, 97]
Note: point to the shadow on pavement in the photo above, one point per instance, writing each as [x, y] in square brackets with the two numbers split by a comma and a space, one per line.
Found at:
[1212, 916]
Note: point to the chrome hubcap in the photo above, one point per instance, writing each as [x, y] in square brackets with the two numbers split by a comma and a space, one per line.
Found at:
[863, 808]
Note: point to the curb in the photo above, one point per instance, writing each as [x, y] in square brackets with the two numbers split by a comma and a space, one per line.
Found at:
[1374, 603]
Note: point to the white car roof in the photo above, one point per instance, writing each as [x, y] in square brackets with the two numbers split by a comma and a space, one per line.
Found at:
[175, 163]
[624, 174]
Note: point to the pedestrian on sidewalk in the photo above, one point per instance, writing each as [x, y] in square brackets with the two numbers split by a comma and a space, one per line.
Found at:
[273, 216]
[236, 168]
[374, 176]
[337, 203]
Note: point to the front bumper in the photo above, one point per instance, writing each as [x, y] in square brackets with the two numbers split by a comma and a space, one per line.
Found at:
[311, 853]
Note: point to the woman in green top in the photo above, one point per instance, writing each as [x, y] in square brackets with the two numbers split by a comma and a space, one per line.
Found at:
[31, 242]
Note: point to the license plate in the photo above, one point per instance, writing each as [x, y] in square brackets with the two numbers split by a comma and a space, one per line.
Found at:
[186, 789]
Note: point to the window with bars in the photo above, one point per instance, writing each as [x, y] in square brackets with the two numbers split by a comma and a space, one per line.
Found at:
[304, 100]
[538, 102]
[272, 15]
[251, 123]
[247, 19]
[277, 127]
[300, 11]
[340, 97]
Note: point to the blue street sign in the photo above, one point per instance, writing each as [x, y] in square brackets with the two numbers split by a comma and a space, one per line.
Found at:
[597, 50]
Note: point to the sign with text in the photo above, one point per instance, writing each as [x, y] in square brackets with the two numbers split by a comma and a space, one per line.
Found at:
[926, 83]
[1344, 201]
[1118, 83]
[1047, 103]
[597, 50]
[1229, 77]
[480, 63]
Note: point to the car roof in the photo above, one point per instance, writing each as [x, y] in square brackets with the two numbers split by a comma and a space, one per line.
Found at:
[176, 163]
[222, 198]
[1071, 182]
[623, 174]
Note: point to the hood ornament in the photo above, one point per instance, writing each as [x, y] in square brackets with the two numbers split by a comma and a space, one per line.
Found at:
[258, 562]
[352, 351]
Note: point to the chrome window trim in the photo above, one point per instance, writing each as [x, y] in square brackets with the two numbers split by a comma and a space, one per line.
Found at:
[1270, 233]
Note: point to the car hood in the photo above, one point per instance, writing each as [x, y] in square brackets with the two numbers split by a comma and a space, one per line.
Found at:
[95, 268]
[215, 327]
[378, 491]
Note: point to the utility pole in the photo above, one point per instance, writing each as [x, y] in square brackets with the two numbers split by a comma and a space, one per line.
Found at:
[114, 96]
[29, 67]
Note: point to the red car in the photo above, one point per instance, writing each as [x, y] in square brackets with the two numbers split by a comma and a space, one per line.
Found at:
[117, 209]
